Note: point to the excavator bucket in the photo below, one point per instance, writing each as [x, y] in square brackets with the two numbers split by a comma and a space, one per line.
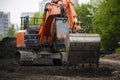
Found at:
[83, 48]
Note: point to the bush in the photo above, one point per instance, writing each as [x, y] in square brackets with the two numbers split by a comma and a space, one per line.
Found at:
[117, 50]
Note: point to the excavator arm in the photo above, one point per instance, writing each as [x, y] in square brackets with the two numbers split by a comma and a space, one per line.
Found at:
[58, 8]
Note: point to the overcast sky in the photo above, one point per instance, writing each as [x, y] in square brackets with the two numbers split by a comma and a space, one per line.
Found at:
[16, 7]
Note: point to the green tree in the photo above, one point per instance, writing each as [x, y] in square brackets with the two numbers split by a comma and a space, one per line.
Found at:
[85, 16]
[1, 36]
[36, 21]
[106, 22]
[11, 31]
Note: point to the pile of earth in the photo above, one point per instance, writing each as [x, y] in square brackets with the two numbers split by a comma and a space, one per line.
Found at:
[7, 47]
[114, 56]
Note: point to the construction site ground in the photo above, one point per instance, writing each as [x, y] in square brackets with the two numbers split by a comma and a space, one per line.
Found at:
[109, 68]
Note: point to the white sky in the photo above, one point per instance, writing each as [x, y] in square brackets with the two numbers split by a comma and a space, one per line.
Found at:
[16, 7]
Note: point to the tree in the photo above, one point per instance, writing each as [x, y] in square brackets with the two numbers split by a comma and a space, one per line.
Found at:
[85, 16]
[11, 31]
[106, 22]
[1, 36]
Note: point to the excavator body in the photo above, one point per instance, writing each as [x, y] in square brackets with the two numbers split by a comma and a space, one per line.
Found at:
[58, 40]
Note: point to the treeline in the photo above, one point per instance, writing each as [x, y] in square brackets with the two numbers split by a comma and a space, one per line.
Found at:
[104, 20]
[10, 33]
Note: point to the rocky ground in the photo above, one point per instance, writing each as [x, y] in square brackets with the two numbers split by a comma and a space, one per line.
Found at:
[109, 68]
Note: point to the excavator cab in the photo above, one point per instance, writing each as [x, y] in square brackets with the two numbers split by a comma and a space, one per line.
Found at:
[28, 35]
[31, 24]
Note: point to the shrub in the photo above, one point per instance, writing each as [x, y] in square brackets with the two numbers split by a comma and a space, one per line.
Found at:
[117, 50]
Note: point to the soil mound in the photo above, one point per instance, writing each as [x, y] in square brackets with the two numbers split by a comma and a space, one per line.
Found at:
[7, 47]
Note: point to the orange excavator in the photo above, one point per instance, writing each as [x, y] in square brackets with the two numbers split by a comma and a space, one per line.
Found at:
[58, 40]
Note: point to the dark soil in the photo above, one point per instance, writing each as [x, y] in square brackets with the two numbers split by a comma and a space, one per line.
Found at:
[10, 70]
[8, 48]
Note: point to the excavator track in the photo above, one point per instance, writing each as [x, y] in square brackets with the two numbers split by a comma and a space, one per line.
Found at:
[30, 58]
[83, 49]
[25, 58]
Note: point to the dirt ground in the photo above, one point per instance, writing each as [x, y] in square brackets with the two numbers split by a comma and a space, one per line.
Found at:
[114, 56]
[10, 70]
